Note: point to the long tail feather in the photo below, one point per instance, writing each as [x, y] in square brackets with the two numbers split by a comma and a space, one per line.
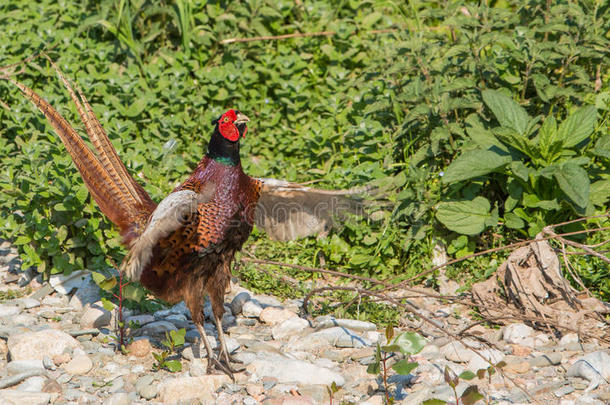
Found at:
[131, 192]
[98, 180]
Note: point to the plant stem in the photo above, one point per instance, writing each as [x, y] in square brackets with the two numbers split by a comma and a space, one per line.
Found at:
[385, 378]
[120, 315]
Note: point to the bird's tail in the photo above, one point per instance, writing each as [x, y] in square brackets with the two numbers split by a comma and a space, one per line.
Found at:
[117, 194]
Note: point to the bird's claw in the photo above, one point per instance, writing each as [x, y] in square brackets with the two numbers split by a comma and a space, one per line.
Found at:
[224, 365]
[215, 364]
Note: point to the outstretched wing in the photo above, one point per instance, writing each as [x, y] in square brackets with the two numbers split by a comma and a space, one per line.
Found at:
[289, 211]
[117, 194]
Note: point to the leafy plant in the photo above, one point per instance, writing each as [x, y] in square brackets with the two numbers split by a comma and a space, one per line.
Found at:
[173, 339]
[124, 291]
[471, 394]
[407, 344]
[541, 168]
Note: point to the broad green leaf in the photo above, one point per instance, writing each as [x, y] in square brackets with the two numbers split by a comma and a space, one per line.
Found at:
[506, 110]
[602, 147]
[599, 192]
[404, 367]
[173, 366]
[465, 217]
[578, 126]
[467, 375]
[520, 170]
[548, 139]
[434, 401]
[98, 277]
[108, 306]
[474, 163]
[471, 395]
[574, 182]
[511, 220]
[373, 368]
[133, 292]
[410, 342]
[178, 336]
[108, 284]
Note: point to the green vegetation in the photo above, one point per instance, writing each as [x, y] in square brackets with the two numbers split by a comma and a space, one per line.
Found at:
[407, 344]
[173, 339]
[485, 122]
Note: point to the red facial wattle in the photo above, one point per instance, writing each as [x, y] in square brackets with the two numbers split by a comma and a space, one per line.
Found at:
[226, 126]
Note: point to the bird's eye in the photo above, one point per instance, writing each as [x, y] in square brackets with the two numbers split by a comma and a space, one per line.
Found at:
[226, 119]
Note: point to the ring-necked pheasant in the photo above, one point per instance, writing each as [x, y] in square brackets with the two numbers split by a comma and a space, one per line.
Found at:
[182, 248]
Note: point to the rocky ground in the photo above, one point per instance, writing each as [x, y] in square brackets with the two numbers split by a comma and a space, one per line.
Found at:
[56, 346]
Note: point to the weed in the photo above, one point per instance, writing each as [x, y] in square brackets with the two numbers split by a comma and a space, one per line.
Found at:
[173, 340]
[407, 344]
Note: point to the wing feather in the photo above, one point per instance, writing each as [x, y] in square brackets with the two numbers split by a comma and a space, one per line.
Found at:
[288, 211]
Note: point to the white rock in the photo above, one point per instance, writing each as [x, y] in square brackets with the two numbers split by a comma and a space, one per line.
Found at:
[95, 316]
[477, 363]
[232, 344]
[289, 370]
[65, 284]
[120, 398]
[36, 345]
[79, 365]
[289, 327]
[328, 321]
[24, 319]
[184, 389]
[9, 310]
[518, 333]
[341, 337]
[569, 338]
[372, 336]
[29, 303]
[251, 309]
[16, 397]
[198, 367]
[22, 366]
[87, 292]
[594, 367]
[138, 368]
[457, 352]
[273, 316]
[54, 301]
[267, 301]
[32, 384]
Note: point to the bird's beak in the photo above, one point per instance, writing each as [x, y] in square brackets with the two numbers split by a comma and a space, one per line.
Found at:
[241, 118]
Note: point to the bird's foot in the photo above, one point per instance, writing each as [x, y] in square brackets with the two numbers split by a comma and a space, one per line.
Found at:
[230, 361]
[216, 365]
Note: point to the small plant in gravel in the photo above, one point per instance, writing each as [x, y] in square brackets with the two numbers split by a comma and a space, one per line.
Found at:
[471, 394]
[120, 290]
[332, 390]
[173, 340]
[406, 344]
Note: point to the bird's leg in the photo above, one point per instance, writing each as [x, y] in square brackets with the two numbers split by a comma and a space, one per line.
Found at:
[224, 352]
[212, 360]
[204, 339]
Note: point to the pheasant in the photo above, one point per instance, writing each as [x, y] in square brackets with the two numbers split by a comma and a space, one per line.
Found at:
[182, 248]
